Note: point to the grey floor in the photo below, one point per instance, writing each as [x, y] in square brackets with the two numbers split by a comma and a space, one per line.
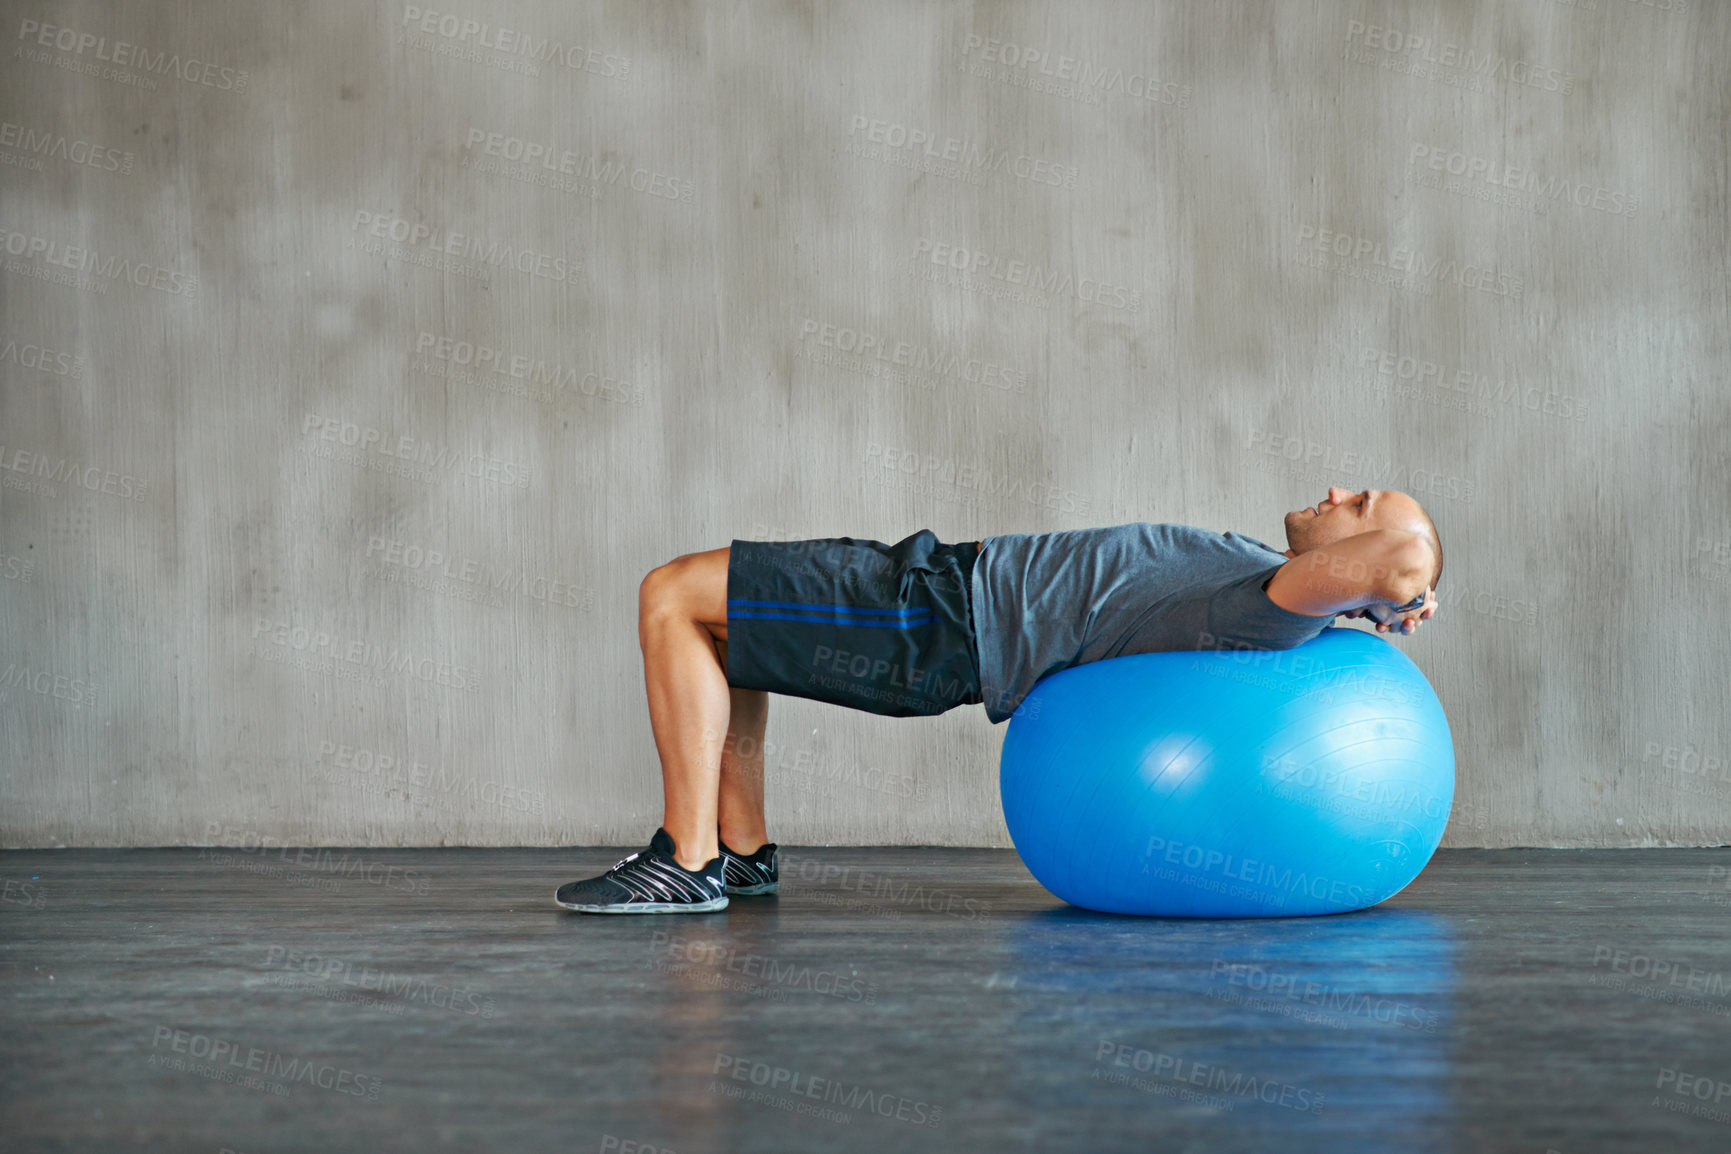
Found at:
[887, 999]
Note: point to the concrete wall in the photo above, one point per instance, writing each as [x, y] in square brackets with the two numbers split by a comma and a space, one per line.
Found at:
[359, 360]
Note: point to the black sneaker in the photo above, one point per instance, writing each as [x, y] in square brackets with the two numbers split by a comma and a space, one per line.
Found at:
[649, 882]
[753, 874]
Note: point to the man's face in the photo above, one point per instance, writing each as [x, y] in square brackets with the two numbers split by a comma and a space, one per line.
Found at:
[1344, 513]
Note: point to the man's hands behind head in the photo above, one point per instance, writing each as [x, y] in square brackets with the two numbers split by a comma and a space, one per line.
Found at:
[1389, 619]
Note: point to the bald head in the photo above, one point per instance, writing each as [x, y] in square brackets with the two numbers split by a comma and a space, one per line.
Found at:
[1435, 542]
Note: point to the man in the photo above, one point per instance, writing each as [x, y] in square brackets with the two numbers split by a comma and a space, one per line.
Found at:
[919, 627]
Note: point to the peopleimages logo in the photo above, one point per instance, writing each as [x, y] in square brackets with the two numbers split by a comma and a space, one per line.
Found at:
[982, 267]
[1381, 798]
[798, 1085]
[56, 146]
[478, 34]
[1172, 1071]
[65, 471]
[1216, 870]
[969, 156]
[547, 380]
[1508, 395]
[1311, 1001]
[1688, 761]
[331, 973]
[1041, 69]
[970, 479]
[763, 967]
[1703, 1088]
[877, 354]
[1672, 972]
[330, 651]
[1415, 52]
[1300, 458]
[43, 359]
[351, 867]
[554, 160]
[105, 266]
[119, 53]
[226, 1057]
[22, 893]
[1507, 176]
[476, 575]
[399, 774]
[441, 242]
[74, 691]
[417, 458]
[1398, 265]
[885, 889]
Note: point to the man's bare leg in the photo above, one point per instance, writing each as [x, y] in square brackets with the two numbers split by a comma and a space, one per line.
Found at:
[682, 629]
[741, 800]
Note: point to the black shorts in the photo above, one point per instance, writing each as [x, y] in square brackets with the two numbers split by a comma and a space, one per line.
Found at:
[884, 628]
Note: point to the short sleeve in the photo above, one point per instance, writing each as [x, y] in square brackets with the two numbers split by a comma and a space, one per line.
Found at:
[1240, 615]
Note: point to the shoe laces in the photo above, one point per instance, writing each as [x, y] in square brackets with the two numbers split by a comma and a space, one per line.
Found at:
[626, 860]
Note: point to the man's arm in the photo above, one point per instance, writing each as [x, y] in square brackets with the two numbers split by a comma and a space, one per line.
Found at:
[1370, 572]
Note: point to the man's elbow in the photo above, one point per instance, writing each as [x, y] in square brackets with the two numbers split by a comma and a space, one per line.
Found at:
[1407, 571]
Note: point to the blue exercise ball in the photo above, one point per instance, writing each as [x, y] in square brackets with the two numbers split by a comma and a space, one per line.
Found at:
[1239, 783]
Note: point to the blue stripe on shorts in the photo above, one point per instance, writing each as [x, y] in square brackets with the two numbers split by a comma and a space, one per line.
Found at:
[832, 614]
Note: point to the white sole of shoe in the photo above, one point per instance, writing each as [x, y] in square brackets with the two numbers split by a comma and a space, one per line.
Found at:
[708, 907]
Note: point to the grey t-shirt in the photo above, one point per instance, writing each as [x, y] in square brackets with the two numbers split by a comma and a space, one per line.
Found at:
[1046, 601]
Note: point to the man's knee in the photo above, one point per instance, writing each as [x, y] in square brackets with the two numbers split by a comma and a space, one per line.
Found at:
[673, 591]
[689, 588]
[659, 596]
